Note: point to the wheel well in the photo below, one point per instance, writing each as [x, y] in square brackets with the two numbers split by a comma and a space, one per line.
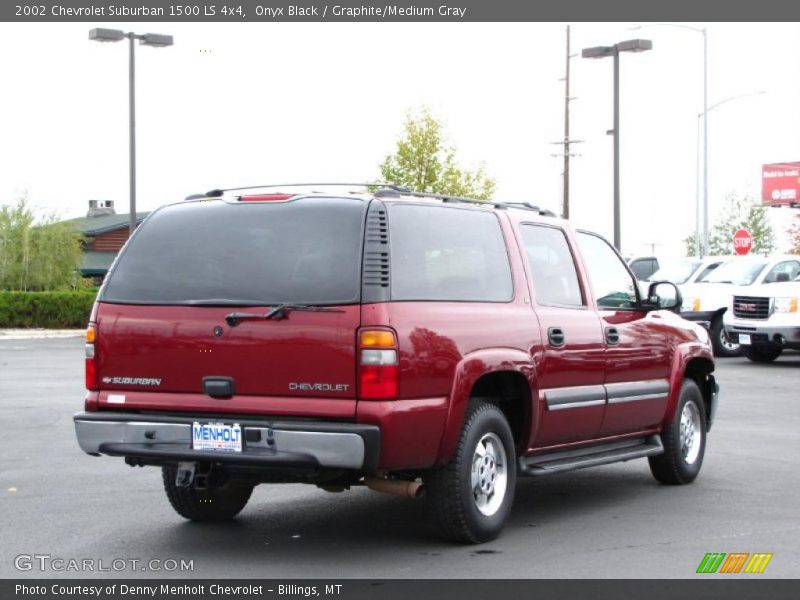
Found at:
[698, 369]
[511, 393]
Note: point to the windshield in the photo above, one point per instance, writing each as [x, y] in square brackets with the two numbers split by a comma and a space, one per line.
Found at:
[676, 272]
[742, 271]
[305, 251]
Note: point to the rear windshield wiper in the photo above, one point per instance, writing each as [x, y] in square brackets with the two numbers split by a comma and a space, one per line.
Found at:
[277, 313]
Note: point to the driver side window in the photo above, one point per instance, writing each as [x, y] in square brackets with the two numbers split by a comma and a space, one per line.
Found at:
[613, 285]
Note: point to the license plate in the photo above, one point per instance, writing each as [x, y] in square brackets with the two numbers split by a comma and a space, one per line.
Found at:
[744, 338]
[217, 436]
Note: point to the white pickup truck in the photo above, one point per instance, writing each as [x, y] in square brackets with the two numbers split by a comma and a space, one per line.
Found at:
[709, 297]
[766, 320]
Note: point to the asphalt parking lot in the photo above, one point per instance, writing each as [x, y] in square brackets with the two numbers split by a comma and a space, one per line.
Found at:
[613, 521]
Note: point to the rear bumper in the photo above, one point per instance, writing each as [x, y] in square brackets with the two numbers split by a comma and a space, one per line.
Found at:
[165, 439]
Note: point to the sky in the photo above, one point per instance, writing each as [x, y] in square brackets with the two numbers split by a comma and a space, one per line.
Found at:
[254, 103]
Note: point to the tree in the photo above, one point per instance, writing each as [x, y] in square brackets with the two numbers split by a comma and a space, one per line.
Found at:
[742, 212]
[36, 256]
[691, 244]
[794, 235]
[424, 161]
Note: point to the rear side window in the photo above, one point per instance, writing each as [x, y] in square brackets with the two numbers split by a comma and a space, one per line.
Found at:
[304, 251]
[448, 254]
[555, 279]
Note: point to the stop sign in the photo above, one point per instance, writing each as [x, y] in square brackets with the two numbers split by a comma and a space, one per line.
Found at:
[742, 241]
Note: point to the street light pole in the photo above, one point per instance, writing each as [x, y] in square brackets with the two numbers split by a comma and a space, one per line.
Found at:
[156, 40]
[702, 243]
[704, 251]
[132, 131]
[698, 240]
[614, 51]
[617, 210]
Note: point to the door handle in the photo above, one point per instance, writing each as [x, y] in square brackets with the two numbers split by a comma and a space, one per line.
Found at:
[555, 335]
[612, 335]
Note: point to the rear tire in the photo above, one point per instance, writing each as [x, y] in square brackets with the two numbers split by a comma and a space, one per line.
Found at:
[220, 503]
[763, 353]
[471, 497]
[684, 440]
[722, 346]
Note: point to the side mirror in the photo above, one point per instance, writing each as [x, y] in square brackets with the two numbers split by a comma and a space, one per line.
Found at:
[663, 295]
[781, 277]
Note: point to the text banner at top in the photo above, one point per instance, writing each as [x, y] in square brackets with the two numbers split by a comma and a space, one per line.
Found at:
[407, 11]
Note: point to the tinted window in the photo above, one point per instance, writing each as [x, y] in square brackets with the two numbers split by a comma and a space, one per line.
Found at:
[612, 283]
[783, 271]
[555, 279]
[303, 251]
[442, 253]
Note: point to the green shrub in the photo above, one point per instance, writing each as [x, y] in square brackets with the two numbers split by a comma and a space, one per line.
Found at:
[51, 310]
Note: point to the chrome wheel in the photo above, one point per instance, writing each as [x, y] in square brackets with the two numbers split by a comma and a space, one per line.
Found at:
[690, 432]
[489, 474]
[728, 345]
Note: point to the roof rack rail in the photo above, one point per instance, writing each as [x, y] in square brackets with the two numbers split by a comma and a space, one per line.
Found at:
[449, 198]
[219, 192]
[528, 206]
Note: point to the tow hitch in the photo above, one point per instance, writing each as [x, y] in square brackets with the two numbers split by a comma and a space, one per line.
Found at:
[184, 476]
[191, 474]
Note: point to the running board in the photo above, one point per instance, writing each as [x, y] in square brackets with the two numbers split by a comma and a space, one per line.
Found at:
[601, 454]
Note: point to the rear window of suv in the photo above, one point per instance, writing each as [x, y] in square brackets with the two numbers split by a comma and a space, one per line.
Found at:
[304, 251]
[447, 254]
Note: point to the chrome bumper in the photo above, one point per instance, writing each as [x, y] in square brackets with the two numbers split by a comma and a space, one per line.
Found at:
[268, 444]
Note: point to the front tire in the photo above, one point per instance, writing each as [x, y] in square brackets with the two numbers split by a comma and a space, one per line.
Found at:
[471, 497]
[722, 345]
[684, 440]
[217, 503]
[762, 353]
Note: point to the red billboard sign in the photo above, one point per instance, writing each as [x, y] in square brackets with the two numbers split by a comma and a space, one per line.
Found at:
[780, 184]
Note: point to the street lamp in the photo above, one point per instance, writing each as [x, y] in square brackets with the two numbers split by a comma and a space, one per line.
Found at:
[702, 244]
[614, 51]
[704, 32]
[156, 40]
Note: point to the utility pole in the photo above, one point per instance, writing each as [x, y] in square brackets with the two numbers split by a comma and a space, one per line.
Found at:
[566, 142]
[565, 210]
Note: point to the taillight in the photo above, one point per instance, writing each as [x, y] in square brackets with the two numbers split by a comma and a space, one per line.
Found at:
[378, 364]
[91, 365]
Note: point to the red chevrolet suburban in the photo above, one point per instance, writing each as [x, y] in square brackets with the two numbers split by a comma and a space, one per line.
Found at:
[415, 343]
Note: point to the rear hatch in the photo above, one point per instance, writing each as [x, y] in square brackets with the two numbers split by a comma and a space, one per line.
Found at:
[164, 318]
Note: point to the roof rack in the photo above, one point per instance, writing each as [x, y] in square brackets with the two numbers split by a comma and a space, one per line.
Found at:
[443, 197]
[528, 206]
[447, 198]
[219, 192]
[384, 190]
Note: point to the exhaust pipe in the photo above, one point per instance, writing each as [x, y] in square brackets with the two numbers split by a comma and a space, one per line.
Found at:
[396, 487]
